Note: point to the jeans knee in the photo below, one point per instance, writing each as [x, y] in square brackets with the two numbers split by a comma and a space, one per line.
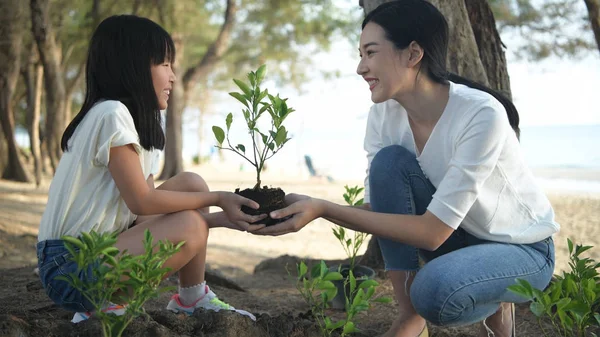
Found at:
[389, 159]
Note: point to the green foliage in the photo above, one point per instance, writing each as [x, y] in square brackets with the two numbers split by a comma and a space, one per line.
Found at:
[114, 272]
[571, 301]
[551, 27]
[351, 245]
[254, 100]
[318, 290]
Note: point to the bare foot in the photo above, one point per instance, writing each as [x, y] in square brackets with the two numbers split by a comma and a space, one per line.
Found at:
[406, 327]
[500, 324]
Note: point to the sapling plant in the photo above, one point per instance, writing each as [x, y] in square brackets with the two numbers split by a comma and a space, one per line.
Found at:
[572, 301]
[351, 245]
[114, 276]
[317, 289]
[265, 142]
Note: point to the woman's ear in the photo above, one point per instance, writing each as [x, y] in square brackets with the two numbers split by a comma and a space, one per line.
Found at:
[415, 54]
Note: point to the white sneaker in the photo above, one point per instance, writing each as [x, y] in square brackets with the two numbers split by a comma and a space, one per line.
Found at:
[210, 301]
[112, 308]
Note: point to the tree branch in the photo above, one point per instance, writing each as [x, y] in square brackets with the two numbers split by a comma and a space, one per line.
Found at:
[215, 51]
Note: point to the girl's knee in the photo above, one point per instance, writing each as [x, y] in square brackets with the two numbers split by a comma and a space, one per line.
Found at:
[193, 182]
[193, 227]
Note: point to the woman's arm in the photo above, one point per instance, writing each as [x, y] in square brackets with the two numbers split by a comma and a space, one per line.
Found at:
[423, 231]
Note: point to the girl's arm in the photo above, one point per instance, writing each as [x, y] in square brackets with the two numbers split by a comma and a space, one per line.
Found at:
[141, 199]
[423, 231]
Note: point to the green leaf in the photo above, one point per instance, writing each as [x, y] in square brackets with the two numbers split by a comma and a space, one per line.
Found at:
[241, 147]
[219, 134]
[383, 300]
[260, 73]
[349, 328]
[324, 285]
[229, 120]
[245, 88]
[302, 269]
[280, 136]
[367, 284]
[537, 309]
[240, 98]
[333, 276]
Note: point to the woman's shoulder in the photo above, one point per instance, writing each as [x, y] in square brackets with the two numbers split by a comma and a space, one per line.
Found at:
[472, 103]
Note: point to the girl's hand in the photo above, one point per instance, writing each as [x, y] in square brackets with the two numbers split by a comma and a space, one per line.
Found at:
[232, 203]
[303, 210]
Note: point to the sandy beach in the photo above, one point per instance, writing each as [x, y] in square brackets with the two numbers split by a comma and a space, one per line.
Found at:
[21, 207]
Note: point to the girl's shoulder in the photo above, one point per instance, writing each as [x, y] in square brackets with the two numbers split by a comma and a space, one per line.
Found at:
[108, 107]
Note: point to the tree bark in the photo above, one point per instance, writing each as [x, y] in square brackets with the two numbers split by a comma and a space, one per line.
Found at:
[33, 73]
[173, 160]
[49, 52]
[593, 7]
[474, 51]
[490, 45]
[11, 23]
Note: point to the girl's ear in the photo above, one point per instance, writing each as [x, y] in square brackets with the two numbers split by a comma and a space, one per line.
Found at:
[415, 54]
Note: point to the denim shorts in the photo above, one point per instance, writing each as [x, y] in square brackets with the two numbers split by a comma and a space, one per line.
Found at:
[55, 260]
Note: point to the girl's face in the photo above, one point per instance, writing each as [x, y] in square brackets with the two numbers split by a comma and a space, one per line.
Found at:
[162, 79]
[385, 68]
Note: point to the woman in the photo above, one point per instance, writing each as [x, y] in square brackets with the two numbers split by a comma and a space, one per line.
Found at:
[445, 182]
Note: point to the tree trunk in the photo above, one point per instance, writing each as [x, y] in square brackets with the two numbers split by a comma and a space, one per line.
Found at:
[11, 21]
[33, 74]
[49, 52]
[174, 144]
[173, 161]
[593, 7]
[490, 45]
[474, 51]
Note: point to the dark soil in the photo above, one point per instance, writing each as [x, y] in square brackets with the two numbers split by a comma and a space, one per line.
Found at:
[26, 311]
[269, 199]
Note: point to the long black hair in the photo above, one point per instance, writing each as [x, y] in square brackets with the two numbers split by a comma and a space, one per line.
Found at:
[405, 21]
[122, 50]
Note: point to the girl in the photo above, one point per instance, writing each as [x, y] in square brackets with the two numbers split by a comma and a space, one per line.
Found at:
[104, 180]
[445, 182]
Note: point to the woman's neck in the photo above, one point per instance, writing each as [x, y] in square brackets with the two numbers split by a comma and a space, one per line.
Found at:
[426, 102]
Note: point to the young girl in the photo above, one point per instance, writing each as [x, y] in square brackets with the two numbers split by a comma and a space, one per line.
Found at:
[104, 180]
[446, 182]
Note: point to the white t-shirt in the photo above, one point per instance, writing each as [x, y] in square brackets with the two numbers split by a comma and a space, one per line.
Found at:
[473, 159]
[83, 195]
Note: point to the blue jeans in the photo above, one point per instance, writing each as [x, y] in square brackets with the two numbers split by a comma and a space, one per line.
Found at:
[55, 260]
[465, 279]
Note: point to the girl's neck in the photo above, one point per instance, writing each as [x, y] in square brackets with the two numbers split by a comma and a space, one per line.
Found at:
[426, 102]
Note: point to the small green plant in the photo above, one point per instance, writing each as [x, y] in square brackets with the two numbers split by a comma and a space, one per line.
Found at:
[317, 289]
[572, 300]
[118, 276]
[253, 98]
[351, 245]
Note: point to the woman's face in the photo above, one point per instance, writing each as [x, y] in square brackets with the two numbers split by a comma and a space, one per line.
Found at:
[382, 65]
[162, 79]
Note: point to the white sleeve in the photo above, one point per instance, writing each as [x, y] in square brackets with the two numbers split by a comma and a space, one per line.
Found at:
[116, 129]
[475, 156]
[372, 145]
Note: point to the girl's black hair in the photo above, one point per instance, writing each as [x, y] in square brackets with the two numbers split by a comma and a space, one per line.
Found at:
[121, 53]
[405, 21]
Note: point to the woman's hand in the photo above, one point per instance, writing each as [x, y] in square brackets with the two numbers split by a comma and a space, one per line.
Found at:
[303, 210]
[232, 203]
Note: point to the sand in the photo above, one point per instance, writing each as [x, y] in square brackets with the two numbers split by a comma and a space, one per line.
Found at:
[21, 207]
